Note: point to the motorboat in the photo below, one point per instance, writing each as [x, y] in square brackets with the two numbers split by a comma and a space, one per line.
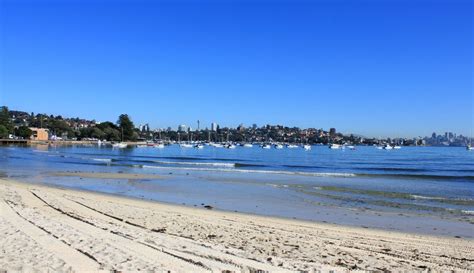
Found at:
[292, 146]
[351, 147]
[396, 147]
[248, 145]
[230, 146]
[335, 146]
[278, 146]
[160, 146]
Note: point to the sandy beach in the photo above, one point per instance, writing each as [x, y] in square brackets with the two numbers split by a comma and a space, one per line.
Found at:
[45, 228]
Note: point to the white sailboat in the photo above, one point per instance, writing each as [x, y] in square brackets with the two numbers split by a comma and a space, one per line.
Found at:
[185, 145]
[387, 147]
[120, 145]
[199, 146]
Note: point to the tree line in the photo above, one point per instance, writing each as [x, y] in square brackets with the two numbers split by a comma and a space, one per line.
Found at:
[19, 126]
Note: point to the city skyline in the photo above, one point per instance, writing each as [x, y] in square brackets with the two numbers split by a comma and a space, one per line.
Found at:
[379, 69]
[20, 117]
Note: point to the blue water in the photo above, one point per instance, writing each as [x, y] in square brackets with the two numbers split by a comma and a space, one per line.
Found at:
[365, 186]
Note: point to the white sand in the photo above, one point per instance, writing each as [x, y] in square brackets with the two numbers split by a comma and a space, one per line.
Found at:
[44, 228]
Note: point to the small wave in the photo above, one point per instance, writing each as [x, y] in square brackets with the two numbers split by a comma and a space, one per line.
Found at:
[255, 171]
[216, 164]
[419, 176]
[102, 159]
[426, 197]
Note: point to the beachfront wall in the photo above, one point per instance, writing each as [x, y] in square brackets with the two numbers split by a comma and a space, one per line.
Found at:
[39, 134]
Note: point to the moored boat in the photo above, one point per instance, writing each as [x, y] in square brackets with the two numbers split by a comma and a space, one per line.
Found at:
[335, 146]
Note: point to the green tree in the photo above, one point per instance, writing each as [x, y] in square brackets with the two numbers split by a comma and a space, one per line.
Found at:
[24, 132]
[127, 128]
[5, 119]
[111, 134]
[97, 133]
[3, 131]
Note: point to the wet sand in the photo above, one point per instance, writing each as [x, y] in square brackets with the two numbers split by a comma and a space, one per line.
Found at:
[44, 228]
[103, 175]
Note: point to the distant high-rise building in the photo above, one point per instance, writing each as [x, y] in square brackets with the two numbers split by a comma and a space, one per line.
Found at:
[254, 126]
[182, 128]
[214, 126]
[241, 127]
[433, 135]
[332, 132]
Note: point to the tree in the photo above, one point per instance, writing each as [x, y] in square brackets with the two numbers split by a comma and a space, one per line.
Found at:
[127, 128]
[97, 133]
[3, 131]
[5, 119]
[24, 132]
[111, 134]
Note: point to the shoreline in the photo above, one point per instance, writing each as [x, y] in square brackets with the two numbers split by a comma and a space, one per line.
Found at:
[212, 239]
[219, 210]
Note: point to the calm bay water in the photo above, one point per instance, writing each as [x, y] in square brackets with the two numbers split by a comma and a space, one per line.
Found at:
[365, 187]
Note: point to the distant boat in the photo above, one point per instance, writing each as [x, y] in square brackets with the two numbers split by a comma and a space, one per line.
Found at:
[120, 145]
[469, 147]
[248, 145]
[291, 146]
[379, 147]
[266, 146]
[184, 145]
[307, 147]
[396, 147]
[230, 146]
[387, 147]
[335, 146]
[160, 146]
[199, 146]
[350, 147]
[278, 146]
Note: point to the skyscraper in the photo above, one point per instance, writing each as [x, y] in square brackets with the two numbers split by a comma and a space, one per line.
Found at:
[213, 126]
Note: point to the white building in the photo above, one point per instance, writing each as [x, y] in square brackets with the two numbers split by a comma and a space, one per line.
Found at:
[182, 128]
[213, 126]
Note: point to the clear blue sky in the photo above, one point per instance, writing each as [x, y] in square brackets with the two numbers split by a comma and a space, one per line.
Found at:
[376, 68]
